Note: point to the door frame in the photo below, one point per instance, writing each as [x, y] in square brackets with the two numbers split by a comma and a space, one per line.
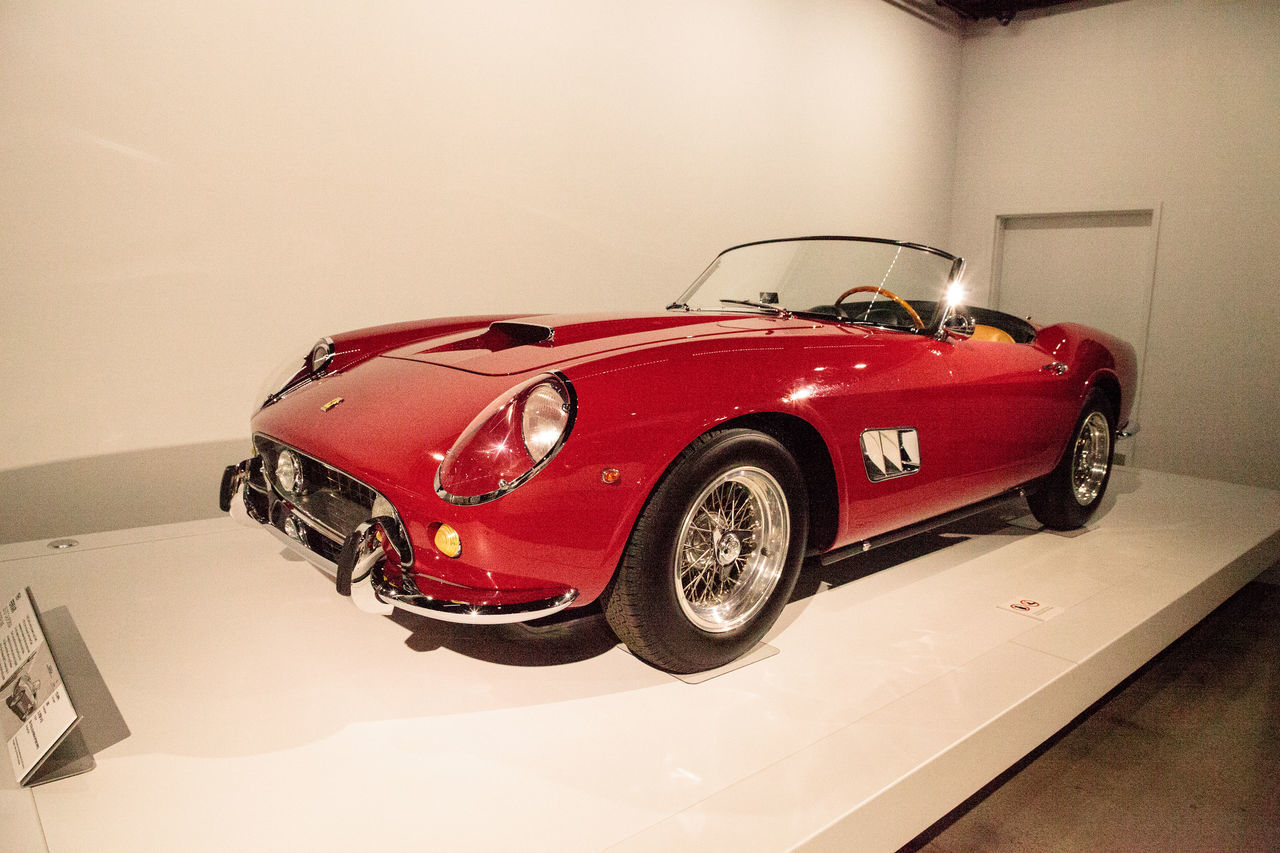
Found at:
[1067, 215]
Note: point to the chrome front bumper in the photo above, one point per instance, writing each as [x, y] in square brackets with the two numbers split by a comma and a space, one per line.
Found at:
[449, 610]
[435, 598]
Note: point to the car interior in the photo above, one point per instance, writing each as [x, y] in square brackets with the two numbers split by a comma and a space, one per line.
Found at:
[989, 325]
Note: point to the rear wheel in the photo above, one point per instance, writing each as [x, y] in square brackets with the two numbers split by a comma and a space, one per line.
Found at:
[1069, 496]
[714, 555]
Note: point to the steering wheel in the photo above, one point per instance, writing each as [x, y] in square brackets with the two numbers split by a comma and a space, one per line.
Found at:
[866, 288]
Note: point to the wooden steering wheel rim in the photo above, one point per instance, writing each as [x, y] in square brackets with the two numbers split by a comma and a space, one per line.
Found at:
[867, 288]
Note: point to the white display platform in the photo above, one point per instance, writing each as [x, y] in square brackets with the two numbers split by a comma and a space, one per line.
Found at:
[267, 713]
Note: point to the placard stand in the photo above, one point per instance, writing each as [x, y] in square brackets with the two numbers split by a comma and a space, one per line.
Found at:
[47, 676]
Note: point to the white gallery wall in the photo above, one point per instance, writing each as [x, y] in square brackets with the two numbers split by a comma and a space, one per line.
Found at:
[1151, 104]
[193, 192]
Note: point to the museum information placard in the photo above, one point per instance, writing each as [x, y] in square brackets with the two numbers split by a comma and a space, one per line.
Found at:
[38, 712]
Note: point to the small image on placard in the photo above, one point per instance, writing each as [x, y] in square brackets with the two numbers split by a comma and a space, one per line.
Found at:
[25, 695]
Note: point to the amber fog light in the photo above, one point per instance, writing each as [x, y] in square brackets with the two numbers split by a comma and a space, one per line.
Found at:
[447, 541]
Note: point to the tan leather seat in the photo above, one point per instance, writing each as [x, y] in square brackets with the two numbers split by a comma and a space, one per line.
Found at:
[990, 333]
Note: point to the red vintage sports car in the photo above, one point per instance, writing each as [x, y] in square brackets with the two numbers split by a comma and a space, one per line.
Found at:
[811, 396]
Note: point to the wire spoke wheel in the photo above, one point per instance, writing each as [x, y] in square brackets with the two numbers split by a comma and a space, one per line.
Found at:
[714, 554]
[1068, 496]
[732, 549]
[1091, 458]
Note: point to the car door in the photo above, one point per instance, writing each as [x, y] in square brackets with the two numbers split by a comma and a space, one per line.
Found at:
[932, 425]
[889, 400]
[1010, 409]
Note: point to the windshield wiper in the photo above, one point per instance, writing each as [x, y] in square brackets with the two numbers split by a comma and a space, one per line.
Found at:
[781, 312]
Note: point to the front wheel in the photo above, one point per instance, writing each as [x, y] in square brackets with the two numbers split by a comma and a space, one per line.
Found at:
[714, 555]
[1070, 494]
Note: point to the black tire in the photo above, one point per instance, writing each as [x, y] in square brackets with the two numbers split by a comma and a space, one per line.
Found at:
[1068, 497]
[688, 615]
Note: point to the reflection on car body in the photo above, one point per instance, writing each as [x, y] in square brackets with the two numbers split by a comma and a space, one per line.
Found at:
[808, 395]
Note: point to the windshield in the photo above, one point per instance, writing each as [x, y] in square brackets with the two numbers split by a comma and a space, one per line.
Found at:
[853, 279]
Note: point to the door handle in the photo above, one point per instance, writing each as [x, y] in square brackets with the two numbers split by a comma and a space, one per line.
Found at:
[1056, 366]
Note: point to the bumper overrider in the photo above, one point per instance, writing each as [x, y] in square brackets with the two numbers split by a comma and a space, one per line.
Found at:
[353, 534]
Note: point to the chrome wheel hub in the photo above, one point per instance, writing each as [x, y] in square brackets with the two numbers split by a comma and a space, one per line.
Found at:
[728, 550]
[732, 548]
[1090, 458]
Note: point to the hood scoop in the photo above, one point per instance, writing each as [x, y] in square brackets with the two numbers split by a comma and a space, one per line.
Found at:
[520, 334]
[500, 336]
[507, 347]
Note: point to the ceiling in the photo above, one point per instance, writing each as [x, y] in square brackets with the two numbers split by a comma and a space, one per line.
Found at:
[1002, 10]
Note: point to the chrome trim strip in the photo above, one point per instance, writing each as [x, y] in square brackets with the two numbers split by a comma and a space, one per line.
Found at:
[837, 554]
[471, 614]
[848, 239]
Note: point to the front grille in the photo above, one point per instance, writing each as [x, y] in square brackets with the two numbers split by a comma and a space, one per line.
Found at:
[331, 502]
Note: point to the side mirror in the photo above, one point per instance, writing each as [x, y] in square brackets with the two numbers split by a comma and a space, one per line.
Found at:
[961, 324]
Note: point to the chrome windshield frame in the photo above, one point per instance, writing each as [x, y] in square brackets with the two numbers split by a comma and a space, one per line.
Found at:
[934, 328]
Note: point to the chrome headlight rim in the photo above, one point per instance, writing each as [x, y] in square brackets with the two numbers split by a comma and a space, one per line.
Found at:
[517, 395]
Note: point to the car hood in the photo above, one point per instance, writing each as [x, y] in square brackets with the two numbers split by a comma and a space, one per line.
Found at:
[508, 347]
[389, 420]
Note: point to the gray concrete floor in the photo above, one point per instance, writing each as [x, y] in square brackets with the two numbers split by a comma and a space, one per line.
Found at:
[1183, 756]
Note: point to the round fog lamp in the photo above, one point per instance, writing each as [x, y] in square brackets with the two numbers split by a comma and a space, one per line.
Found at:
[289, 471]
[294, 530]
[447, 541]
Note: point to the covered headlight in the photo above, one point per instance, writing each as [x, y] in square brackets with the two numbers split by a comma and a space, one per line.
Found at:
[321, 355]
[543, 419]
[296, 372]
[510, 441]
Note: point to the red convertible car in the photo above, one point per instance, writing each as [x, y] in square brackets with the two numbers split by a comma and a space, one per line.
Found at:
[810, 396]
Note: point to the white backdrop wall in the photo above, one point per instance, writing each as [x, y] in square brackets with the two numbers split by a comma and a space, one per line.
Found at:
[1140, 104]
[192, 192]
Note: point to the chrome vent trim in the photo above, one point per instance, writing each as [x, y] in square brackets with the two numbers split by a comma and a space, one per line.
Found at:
[890, 453]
